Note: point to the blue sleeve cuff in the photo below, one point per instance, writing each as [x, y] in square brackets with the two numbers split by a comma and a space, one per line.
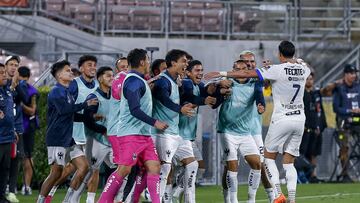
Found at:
[259, 74]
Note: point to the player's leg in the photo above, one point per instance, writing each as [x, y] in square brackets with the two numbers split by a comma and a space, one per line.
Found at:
[56, 158]
[200, 160]
[166, 146]
[291, 150]
[264, 179]
[230, 145]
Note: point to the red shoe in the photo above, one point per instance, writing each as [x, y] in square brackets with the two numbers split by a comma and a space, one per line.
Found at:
[280, 199]
[48, 199]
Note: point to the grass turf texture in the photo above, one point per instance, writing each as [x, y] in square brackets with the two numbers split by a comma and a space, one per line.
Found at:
[309, 193]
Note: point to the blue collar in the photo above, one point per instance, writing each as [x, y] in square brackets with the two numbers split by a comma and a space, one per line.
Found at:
[137, 73]
[87, 84]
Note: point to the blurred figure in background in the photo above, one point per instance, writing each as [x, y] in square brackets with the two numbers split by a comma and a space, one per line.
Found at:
[30, 124]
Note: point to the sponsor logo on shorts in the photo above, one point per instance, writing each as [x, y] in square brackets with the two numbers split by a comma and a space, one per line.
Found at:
[60, 155]
[168, 152]
[227, 151]
[190, 181]
[93, 160]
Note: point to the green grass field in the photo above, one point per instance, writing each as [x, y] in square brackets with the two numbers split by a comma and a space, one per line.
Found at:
[309, 193]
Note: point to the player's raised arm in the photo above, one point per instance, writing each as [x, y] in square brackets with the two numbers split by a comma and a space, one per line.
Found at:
[233, 74]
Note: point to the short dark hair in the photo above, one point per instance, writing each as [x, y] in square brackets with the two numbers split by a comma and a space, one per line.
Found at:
[58, 66]
[135, 56]
[189, 57]
[24, 71]
[287, 49]
[156, 64]
[192, 64]
[101, 71]
[2, 65]
[119, 59]
[85, 58]
[174, 55]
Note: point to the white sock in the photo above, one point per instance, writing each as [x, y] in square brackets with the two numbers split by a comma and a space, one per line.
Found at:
[164, 173]
[270, 194]
[68, 195]
[52, 191]
[41, 199]
[90, 197]
[253, 181]
[226, 196]
[200, 174]
[168, 194]
[232, 182]
[273, 175]
[189, 181]
[291, 180]
[120, 193]
[77, 193]
[178, 190]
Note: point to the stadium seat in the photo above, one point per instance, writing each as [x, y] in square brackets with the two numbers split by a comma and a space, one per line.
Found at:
[213, 21]
[238, 19]
[196, 5]
[193, 20]
[127, 2]
[54, 6]
[146, 19]
[214, 5]
[177, 20]
[120, 18]
[83, 13]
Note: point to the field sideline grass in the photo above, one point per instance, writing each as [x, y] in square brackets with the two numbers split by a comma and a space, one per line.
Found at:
[309, 193]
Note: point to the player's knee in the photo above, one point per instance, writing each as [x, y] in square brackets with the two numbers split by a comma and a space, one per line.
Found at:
[232, 166]
[153, 168]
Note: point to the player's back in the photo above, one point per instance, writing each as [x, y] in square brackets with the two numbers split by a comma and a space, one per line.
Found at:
[288, 88]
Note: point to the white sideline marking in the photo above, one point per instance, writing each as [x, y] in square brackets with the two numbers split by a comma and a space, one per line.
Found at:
[313, 196]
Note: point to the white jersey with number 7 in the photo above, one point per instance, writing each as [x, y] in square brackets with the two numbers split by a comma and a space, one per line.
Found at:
[288, 85]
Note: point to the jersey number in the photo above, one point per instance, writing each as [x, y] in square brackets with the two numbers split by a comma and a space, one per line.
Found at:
[297, 87]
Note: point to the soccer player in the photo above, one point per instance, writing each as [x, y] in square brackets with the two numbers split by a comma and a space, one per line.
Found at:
[133, 144]
[100, 149]
[59, 139]
[256, 131]
[7, 134]
[19, 90]
[158, 66]
[167, 107]
[234, 125]
[288, 118]
[193, 91]
[80, 88]
[121, 65]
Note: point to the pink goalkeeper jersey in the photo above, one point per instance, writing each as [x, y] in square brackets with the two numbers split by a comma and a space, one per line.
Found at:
[117, 85]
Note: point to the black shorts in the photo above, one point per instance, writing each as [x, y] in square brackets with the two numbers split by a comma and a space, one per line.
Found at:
[311, 144]
[29, 140]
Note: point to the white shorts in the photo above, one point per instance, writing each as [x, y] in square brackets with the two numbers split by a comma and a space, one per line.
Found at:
[173, 146]
[58, 155]
[196, 150]
[232, 145]
[77, 151]
[260, 144]
[101, 153]
[284, 136]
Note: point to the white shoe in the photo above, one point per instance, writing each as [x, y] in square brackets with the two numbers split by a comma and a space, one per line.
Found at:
[12, 198]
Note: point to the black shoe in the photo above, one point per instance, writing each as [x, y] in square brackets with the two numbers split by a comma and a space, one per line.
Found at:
[314, 179]
[4, 200]
[346, 179]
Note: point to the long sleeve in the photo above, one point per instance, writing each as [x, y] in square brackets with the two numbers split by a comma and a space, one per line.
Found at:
[89, 120]
[62, 106]
[338, 108]
[161, 92]
[73, 88]
[133, 90]
[21, 92]
[258, 94]
[188, 96]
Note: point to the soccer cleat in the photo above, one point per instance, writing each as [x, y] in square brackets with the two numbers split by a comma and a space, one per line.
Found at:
[48, 199]
[280, 199]
[12, 197]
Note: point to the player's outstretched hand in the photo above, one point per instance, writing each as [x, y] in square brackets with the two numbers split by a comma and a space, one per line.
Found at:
[92, 102]
[160, 125]
[188, 110]
[211, 75]
[260, 108]
[210, 101]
